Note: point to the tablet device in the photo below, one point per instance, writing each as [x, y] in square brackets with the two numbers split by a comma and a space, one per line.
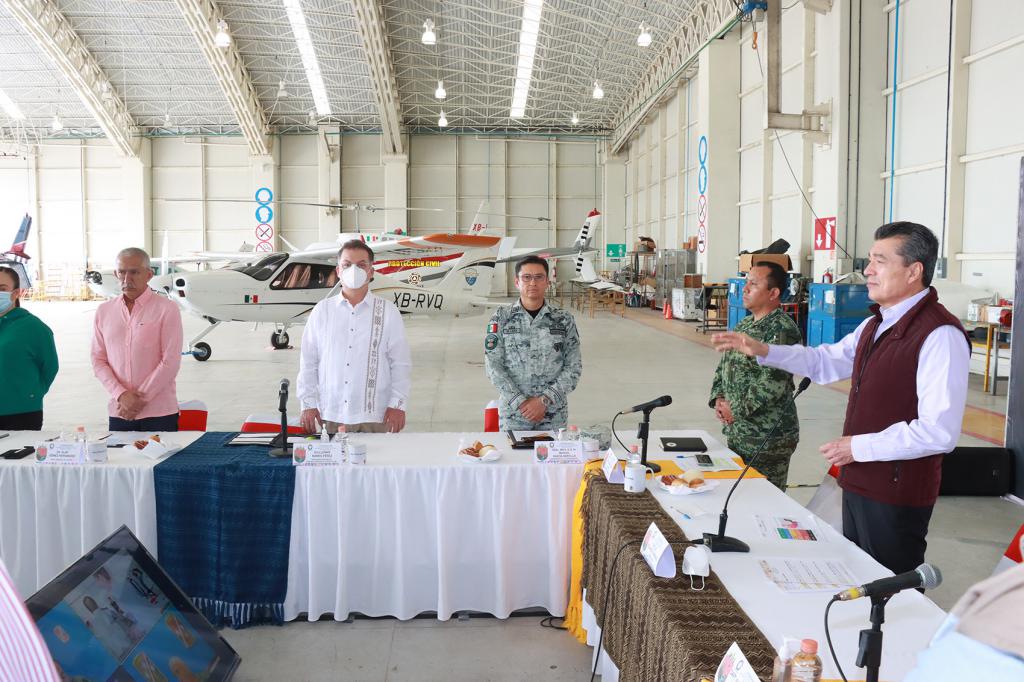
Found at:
[683, 444]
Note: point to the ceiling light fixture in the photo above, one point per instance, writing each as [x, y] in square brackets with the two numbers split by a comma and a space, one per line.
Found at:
[282, 91]
[598, 92]
[575, 118]
[167, 120]
[12, 110]
[440, 93]
[644, 39]
[442, 122]
[311, 117]
[429, 37]
[297, 18]
[222, 39]
[56, 125]
[105, 88]
[528, 33]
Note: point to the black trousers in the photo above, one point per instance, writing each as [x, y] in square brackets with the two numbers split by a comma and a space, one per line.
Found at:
[893, 534]
[24, 421]
[165, 423]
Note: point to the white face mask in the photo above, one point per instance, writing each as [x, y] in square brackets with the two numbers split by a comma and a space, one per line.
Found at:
[696, 562]
[353, 277]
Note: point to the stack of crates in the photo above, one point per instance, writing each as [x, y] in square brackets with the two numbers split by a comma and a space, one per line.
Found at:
[835, 310]
[736, 310]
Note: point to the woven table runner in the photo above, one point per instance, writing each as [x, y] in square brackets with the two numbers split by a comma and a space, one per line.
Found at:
[223, 517]
[657, 628]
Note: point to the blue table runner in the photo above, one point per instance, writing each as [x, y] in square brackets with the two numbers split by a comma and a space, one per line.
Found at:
[224, 518]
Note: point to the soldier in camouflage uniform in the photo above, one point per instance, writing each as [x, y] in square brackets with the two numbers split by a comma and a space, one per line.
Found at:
[532, 354]
[749, 398]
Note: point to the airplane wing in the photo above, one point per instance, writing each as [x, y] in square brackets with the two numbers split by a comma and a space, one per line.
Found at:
[439, 246]
[219, 257]
[554, 252]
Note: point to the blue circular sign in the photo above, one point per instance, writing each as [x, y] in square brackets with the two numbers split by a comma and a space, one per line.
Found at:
[702, 179]
[702, 150]
[269, 195]
[269, 214]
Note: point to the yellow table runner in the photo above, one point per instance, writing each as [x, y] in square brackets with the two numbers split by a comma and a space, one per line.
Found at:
[574, 611]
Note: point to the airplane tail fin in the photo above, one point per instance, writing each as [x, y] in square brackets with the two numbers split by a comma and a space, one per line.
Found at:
[21, 239]
[473, 272]
[480, 219]
[589, 229]
[585, 271]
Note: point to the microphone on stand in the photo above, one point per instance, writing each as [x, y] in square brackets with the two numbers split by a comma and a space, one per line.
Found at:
[925, 576]
[279, 446]
[721, 542]
[644, 428]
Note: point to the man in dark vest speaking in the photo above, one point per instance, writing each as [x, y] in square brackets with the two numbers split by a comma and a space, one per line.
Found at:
[908, 363]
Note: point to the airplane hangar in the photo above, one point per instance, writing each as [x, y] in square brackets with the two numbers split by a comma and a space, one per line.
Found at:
[651, 154]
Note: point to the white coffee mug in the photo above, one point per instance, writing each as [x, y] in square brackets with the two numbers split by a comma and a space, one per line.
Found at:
[636, 477]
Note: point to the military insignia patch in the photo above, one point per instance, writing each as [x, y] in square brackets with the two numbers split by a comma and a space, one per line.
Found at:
[491, 342]
[492, 328]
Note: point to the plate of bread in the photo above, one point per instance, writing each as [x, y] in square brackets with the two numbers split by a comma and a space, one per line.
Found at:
[687, 483]
[478, 452]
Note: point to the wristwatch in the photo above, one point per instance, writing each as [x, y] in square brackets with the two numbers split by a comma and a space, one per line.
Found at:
[546, 400]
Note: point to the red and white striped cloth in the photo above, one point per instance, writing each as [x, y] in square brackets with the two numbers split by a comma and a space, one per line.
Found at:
[23, 654]
[1014, 554]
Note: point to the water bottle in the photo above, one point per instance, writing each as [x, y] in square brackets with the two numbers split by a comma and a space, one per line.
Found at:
[324, 436]
[636, 473]
[806, 666]
[574, 433]
[341, 438]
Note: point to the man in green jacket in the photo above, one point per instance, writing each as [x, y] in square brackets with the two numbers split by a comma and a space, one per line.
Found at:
[748, 398]
[28, 359]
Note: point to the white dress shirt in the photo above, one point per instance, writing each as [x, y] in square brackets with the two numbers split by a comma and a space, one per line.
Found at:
[942, 369]
[355, 360]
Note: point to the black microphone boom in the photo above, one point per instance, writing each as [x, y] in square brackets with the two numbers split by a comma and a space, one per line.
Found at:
[720, 542]
[649, 405]
[925, 576]
[279, 446]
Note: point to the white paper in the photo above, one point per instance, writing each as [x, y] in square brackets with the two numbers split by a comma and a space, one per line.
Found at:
[558, 452]
[688, 510]
[735, 667]
[785, 528]
[317, 453]
[808, 575]
[519, 435]
[60, 452]
[830, 296]
[658, 553]
[718, 463]
[612, 471]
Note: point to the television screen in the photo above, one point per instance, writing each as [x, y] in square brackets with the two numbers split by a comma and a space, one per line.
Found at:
[115, 615]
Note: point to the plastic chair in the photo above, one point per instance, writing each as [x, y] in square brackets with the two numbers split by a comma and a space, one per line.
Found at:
[269, 423]
[192, 415]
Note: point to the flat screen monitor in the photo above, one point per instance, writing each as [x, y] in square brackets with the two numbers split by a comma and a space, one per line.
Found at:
[115, 615]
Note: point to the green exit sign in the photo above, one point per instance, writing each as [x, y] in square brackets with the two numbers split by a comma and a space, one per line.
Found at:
[615, 251]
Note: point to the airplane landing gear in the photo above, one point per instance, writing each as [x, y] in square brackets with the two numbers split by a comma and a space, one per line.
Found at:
[202, 351]
[279, 340]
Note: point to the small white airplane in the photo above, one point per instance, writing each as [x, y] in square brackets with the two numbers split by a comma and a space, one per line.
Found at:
[15, 257]
[282, 288]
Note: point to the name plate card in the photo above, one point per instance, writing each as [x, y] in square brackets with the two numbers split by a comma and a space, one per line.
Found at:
[735, 667]
[60, 452]
[612, 471]
[658, 553]
[315, 453]
[558, 452]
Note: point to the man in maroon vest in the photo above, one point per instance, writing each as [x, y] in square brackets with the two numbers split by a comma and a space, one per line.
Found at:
[908, 364]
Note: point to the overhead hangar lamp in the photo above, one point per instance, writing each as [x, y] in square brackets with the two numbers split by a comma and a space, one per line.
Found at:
[575, 118]
[222, 39]
[644, 39]
[167, 120]
[442, 122]
[429, 37]
[282, 91]
[56, 125]
[311, 117]
[440, 93]
[598, 92]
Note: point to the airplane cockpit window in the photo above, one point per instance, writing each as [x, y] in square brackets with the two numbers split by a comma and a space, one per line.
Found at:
[262, 269]
[306, 276]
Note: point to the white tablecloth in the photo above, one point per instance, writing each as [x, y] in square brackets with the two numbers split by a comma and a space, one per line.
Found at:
[417, 530]
[50, 515]
[911, 618]
[413, 530]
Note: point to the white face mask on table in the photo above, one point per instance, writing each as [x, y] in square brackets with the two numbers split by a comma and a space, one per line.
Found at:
[696, 562]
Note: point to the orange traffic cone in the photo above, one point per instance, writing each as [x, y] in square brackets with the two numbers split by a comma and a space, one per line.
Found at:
[667, 309]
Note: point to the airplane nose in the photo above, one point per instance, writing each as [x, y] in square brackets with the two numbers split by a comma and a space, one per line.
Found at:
[93, 277]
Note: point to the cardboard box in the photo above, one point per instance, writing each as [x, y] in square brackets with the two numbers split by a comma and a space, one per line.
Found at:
[692, 281]
[747, 260]
[993, 314]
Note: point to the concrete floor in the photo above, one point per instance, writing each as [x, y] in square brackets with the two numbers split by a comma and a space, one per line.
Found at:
[625, 363]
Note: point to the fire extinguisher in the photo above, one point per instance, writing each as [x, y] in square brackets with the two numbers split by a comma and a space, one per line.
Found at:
[827, 277]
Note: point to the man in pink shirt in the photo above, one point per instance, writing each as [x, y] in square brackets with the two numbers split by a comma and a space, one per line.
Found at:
[136, 350]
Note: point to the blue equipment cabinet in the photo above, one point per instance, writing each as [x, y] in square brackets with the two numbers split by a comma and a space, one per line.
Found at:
[835, 310]
[736, 310]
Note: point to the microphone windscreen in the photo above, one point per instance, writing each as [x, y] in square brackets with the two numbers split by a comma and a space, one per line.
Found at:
[931, 576]
[804, 383]
[285, 383]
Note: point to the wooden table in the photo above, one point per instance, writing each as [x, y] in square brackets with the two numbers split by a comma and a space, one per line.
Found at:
[991, 343]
